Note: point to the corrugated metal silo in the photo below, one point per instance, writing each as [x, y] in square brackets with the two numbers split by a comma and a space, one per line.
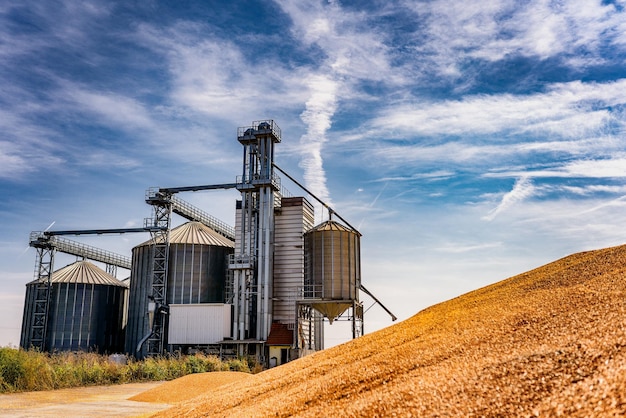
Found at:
[332, 267]
[197, 269]
[86, 310]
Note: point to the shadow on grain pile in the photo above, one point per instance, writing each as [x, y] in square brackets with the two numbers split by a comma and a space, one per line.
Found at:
[548, 342]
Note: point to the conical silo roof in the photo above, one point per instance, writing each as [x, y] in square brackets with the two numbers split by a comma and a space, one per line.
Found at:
[84, 272]
[196, 233]
[332, 226]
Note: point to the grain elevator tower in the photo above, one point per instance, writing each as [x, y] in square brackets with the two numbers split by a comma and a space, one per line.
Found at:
[253, 260]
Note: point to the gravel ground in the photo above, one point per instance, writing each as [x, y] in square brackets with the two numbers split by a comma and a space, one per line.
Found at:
[94, 401]
[549, 342]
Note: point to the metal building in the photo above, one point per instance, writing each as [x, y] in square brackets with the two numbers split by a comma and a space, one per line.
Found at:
[196, 275]
[289, 337]
[85, 310]
[332, 273]
[262, 288]
[252, 265]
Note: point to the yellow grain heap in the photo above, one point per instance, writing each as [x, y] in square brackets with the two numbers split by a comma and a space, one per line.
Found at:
[189, 386]
[548, 342]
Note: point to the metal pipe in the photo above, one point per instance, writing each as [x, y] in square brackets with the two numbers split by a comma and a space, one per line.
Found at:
[393, 317]
[331, 211]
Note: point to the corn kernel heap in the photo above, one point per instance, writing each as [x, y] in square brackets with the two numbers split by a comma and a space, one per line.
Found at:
[548, 342]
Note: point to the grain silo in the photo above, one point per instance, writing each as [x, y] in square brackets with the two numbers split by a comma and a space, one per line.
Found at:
[332, 271]
[85, 311]
[196, 275]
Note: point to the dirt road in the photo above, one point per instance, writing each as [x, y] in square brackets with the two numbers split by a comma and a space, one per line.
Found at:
[100, 401]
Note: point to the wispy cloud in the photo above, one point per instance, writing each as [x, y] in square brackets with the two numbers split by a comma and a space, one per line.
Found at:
[26, 147]
[522, 189]
[351, 54]
[591, 189]
[610, 167]
[436, 175]
[219, 78]
[503, 28]
[113, 109]
[457, 248]
[565, 109]
[619, 203]
[317, 116]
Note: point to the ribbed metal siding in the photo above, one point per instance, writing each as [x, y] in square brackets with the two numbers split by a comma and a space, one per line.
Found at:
[27, 317]
[196, 274]
[137, 325]
[295, 218]
[85, 317]
[332, 262]
[86, 310]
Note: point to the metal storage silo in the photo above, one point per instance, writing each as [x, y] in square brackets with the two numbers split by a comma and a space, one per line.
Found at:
[86, 310]
[197, 269]
[332, 267]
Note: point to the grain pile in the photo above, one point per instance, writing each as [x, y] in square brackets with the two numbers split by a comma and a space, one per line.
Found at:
[188, 387]
[550, 342]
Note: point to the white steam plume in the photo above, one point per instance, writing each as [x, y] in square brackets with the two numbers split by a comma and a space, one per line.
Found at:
[319, 111]
[522, 189]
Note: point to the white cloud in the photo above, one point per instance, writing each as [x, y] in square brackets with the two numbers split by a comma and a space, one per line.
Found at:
[66, 24]
[456, 248]
[571, 223]
[592, 189]
[352, 54]
[353, 50]
[113, 109]
[522, 190]
[565, 109]
[606, 168]
[107, 159]
[430, 176]
[213, 77]
[449, 152]
[584, 168]
[26, 147]
[13, 166]
[503, 28]
[317, 116]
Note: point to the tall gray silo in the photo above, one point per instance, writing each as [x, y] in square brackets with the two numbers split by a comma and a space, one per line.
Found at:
[332, 271]
[86, 310]
[197, 269]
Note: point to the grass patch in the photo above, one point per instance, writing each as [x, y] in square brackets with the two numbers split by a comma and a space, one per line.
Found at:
[30, 370]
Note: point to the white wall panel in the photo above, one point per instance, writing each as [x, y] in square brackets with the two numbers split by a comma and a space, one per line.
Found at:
[203, 323]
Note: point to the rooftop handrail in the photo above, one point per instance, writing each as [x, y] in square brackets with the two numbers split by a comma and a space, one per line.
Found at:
[64, 245]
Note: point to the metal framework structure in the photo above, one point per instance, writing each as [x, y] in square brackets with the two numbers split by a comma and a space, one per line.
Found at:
[161, 222]
[165, 196]
[253, 266]
[355, 313]
[47, 244]
[43, 274]
[251, 269]
[164, 204]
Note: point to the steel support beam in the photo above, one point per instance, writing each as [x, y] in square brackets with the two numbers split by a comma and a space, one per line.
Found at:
[163, 196]
[64, 245]
[43, 275]
[99, 231]
[159, 255]
[174, 190]
[393, 317]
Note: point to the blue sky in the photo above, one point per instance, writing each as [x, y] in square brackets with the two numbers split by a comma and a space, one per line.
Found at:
[467, 141]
